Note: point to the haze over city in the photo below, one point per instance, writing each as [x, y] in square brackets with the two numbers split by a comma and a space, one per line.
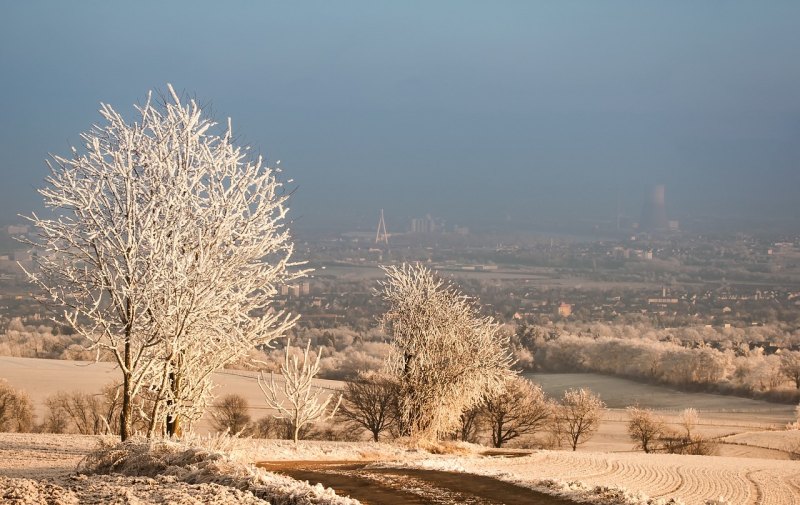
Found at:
[484, 114]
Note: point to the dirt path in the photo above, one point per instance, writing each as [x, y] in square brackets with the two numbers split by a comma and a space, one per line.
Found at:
[405, 486]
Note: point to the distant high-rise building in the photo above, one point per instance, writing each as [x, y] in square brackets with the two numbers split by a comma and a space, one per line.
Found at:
[424, 225]
[654, 212]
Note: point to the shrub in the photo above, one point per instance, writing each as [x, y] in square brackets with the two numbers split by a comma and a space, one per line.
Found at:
[16, 411]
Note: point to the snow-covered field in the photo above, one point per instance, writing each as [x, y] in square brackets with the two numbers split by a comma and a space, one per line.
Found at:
[693, 479]
[621, 477]
[753, 465]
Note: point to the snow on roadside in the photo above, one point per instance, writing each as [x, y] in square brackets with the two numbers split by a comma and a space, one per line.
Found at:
[186, 463]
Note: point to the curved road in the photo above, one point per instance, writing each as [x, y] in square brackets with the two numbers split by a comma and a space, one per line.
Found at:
[405, 486]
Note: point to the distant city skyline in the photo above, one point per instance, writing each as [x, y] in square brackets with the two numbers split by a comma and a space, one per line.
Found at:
[482, 114]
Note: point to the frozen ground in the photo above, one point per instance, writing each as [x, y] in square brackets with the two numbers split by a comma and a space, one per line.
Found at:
[639, 477]
[37, 468]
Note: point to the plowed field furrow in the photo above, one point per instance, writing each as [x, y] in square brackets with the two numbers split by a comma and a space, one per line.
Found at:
[598, 471]
[774, 488]
[794, 482]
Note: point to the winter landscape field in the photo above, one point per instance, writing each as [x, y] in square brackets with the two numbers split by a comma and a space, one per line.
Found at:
[752, 464]
[399, 253]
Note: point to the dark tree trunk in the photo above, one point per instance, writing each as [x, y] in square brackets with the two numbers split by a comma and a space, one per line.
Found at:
[127, 402]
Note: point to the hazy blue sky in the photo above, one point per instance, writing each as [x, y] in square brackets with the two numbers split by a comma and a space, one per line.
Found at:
[462, 109]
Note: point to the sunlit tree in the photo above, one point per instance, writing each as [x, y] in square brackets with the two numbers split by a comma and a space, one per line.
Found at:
[446, 357]
[165, 244]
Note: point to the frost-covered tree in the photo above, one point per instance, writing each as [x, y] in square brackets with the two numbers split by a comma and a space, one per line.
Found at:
[16, 410]
[445, 357]
[644, 428]
[521, 409]
[304, 403]
[165, 245]
[688, 421]
[790, 366]
[578, 415]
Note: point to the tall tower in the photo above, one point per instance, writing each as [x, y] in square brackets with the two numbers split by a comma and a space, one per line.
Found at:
[381, 236]
[654, 212]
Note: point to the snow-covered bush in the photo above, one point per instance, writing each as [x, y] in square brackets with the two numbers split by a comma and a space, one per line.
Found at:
[298, 403]
[142, 457]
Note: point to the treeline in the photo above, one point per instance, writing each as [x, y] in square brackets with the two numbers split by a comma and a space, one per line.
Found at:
[744, 372]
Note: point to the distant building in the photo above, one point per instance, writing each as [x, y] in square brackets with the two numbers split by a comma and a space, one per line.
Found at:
[654, 212]
[296, 290]
[425, 224]
[662, 301]
[564, 309]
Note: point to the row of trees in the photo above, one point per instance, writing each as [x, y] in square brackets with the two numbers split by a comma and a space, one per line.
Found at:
[754, 374]
[519, 409]
[650, 433]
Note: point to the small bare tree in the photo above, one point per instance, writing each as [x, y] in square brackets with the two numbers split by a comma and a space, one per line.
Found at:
[370, 402]
[578, 416]
[305, 402]
[522, 409]
[445, 356]
[470, 425]
[645, 428]
[16, 411]
[231, 414]
[82, 412]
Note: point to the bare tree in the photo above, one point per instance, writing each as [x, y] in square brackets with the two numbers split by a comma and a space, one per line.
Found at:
[522, 409]
[16, 411]
[471, 424]
[305, 402]
[370, 402]
[83, 412]
[231, 414]
[645, 428]
[165, 251]
[445, 356]
[578, 415]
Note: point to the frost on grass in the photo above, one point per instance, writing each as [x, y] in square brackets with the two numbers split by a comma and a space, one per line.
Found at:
[173, 462]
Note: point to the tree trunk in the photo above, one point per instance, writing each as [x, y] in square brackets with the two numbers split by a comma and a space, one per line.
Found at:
[375, 434]
[174, 421]
[127, 402]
